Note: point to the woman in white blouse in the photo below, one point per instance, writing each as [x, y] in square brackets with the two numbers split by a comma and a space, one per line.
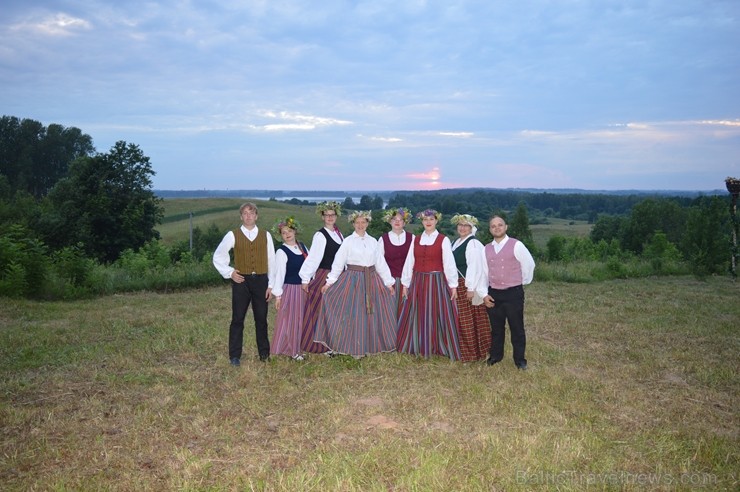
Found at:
[473, 326]
[356, 315]
[394, 246]
[290, 299]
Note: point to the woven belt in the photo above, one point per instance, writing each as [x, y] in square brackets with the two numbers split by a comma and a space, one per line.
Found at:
[368, 274]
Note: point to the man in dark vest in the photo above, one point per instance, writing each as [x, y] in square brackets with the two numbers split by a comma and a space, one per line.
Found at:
[508, 267]
[251, 280]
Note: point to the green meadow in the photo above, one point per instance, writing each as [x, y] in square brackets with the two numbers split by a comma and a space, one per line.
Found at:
[632, 385]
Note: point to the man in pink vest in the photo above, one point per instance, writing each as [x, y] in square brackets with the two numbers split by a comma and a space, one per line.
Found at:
[251, 280]
[508, 266]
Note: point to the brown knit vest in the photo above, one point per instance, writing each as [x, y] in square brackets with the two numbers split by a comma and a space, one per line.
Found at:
[250, 256]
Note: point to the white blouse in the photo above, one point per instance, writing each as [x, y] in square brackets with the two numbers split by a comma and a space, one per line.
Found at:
[361, 251]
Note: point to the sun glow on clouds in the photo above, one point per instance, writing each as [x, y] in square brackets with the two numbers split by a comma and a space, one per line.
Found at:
[428, 180]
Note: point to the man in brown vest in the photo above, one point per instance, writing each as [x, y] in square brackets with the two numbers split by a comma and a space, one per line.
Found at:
[251, 280]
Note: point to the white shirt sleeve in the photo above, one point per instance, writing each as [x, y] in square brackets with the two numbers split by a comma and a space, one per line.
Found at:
[473, 259]
[270, 261]
[482, 285]
[281, 263]
[526, 261]
[408, 266]
[340, 260]
[311, 264]
[382, 268]
[448, 263]
[221, 257]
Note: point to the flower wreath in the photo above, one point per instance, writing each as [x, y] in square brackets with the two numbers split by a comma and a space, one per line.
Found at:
[464, 219]
[330, 205]
[289, 222]
[403, 212]
[359, 214]
[429, 213]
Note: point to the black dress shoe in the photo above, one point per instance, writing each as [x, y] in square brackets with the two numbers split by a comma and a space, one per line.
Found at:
[264, 358]
[235, 361]
[522, 366]
[491, 362]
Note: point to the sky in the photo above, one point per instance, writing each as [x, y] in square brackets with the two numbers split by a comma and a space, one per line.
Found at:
[389, 95]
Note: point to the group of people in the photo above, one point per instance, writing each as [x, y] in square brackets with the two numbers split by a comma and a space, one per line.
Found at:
[418, 294]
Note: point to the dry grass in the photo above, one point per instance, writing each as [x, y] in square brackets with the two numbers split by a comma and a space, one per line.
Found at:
[632, 386]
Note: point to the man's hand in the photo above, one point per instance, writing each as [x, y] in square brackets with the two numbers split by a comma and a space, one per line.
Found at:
[488, 301]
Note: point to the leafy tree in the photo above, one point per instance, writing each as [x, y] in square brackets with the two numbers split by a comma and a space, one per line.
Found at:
[519, 225]
[608, 227]
[348, 204]
[366, 203]
[34, 157]
[706, 241]
[377, 225]
[556, 248]
[652, 215]
[106, 204]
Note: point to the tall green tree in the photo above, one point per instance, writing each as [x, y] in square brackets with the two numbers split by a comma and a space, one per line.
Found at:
[105, 203]
[519, 225]
[34, 157]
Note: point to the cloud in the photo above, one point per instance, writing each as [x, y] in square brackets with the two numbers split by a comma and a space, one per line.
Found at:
[60, 24]
[297, 121]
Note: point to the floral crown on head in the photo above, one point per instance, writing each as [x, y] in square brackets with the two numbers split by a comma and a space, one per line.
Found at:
[360, 214]
[403, 212]
[429, 213]
[288, 222]
[330, 205]
[465, 219]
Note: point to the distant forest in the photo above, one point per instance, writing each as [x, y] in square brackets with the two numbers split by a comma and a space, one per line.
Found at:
[481, 202]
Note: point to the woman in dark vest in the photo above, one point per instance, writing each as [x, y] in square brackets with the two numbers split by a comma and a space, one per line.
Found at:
[324, 246]
[473, 326]
[290, 299]
[394, 246]
[428, 322]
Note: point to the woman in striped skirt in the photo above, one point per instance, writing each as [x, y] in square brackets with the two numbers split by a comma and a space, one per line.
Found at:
[473, 326]
[324, 247]
[394, 246]
[290, 299]
[357, 316]
[428, 322]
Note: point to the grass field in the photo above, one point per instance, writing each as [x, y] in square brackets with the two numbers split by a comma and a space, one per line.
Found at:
[632, 386]
[224, 212]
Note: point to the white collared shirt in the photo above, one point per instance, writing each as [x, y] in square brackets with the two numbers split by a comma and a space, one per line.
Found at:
[361, 251]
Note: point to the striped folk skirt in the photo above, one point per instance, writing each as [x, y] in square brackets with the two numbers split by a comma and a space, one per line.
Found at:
[428, 322]
[355, 324]
[311, 313]
[473, 327]
[289, 321]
